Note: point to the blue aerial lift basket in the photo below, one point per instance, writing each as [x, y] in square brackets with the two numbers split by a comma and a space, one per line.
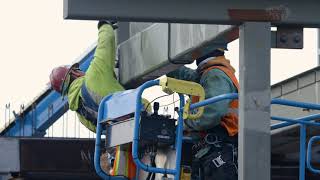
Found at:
[113, 107]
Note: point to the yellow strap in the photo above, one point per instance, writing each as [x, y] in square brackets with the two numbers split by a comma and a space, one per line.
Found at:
[117, 161]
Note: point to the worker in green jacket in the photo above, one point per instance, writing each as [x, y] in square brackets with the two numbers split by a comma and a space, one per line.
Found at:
[85, 90]
[215, 133]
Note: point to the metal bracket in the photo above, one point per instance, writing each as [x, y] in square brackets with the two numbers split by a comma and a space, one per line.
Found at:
[289, 37]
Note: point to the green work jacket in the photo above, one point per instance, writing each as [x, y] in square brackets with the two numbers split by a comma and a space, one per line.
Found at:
[215, 82]
[99, 78]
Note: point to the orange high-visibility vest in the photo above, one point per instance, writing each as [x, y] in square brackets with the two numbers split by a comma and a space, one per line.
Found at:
[230, 120]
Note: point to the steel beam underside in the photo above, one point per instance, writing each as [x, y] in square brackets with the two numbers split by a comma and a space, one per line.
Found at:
[280, 12]
[43, 112]
[162, 48]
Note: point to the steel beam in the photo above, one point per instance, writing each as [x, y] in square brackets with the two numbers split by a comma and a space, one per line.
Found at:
[233, 12]
[123, 32]
[157, 49]
[42, 158]
[162, 47]
[254, 126]
[9, 154]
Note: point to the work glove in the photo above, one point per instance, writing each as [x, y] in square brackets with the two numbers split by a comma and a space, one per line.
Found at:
[112, 23]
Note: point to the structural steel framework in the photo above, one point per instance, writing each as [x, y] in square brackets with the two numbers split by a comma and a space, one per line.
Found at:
[254, 20]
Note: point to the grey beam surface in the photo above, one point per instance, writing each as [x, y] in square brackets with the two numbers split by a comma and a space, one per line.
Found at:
[123, 32]
[254, 126]
[233, 12]
[156, 49]
[162, 47]
[9, 155]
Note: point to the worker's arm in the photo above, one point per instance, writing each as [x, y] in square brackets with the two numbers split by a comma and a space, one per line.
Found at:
[104, 56]
[184, 73]
[215, 83]
[100, 77]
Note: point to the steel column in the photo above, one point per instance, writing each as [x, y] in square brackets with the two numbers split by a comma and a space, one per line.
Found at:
[254, 126]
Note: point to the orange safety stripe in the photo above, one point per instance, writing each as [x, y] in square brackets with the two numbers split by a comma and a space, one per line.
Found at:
[131, 165]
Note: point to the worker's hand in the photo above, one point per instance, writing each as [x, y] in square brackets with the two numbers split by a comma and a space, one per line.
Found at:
[112, 23]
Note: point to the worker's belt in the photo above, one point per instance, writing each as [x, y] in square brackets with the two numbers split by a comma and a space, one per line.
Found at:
[215, 136]
[215, 153]
[88, 108]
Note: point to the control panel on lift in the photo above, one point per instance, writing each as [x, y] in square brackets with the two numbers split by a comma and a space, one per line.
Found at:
[155, 130]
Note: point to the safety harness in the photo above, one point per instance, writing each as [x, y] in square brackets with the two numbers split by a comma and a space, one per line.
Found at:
[87, 108]
[218, 146]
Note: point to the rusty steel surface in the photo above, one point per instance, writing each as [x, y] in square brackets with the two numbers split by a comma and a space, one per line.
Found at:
[271, 14]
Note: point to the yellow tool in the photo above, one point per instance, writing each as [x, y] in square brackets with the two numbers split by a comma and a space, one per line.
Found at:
[171, 85]
[185, 173]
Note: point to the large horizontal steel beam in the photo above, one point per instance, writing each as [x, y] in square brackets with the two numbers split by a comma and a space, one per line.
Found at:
[164, 47]
[233, 12]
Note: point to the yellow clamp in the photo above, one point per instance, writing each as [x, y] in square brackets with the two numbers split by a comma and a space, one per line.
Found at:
[171, 85]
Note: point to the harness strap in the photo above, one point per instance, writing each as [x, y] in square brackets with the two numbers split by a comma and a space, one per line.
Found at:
[87, 99]
[88, 108]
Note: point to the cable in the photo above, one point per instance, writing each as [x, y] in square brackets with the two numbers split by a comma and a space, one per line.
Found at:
[156, 99]
[153, 154]
[174, 105]
[170, 103]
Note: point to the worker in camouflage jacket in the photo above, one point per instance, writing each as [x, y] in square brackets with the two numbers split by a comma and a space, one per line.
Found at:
[86, 90]
[215, 133]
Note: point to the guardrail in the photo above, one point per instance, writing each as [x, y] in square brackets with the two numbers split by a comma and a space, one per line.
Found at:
[135, 142]
[303, 122]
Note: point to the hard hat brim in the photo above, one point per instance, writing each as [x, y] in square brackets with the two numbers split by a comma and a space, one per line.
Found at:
[73, 66]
